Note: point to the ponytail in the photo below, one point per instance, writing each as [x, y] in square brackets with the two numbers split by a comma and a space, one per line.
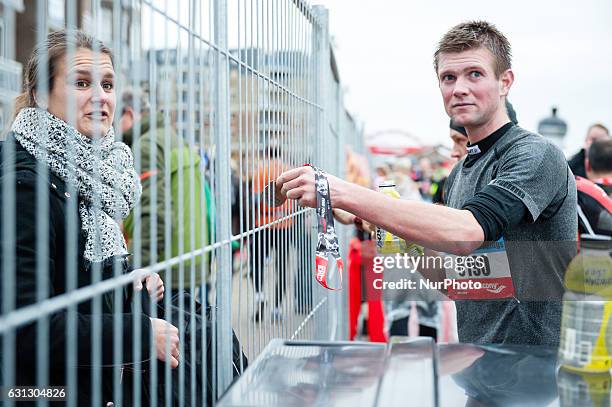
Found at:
[21, 101]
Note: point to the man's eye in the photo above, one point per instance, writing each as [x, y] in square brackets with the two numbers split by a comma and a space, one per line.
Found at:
[81, 84]
[448, 77]
[107, 86]
[475, 74]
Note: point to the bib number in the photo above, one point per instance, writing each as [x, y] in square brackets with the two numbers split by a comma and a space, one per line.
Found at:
[486, 272]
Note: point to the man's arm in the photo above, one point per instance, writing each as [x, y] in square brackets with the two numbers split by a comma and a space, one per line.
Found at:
[433, 226]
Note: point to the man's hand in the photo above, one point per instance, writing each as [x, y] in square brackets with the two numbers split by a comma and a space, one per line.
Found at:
[155, 286]
[165, 332]
[299, 184]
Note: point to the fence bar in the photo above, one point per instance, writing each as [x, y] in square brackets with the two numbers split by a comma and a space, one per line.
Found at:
[8, 262]
[42, 225]
[223, 182]
[202, 170]
[191, 51]
[71, 238]
[321, 42]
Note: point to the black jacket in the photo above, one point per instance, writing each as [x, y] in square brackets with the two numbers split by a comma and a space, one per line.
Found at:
[61, 207]
[576, 163]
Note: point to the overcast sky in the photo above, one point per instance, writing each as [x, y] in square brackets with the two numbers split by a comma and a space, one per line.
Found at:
[562, 55]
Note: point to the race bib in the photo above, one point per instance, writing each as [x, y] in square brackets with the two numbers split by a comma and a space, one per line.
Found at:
[482, 275]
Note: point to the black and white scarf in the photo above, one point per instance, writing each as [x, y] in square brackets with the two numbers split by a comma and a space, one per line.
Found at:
[101, 170]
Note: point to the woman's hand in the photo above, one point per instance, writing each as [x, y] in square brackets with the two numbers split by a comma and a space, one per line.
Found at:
[155, 286]
[163, 333]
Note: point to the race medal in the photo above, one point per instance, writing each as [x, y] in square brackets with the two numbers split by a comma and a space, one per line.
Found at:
[481, 275]
[327, 240]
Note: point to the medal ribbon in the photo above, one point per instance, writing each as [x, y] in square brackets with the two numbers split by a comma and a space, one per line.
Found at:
[327, 239]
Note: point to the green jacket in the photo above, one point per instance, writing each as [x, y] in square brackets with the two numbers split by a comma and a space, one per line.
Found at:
[179, 166]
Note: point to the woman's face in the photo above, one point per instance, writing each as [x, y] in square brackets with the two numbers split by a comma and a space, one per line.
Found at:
[87, 80]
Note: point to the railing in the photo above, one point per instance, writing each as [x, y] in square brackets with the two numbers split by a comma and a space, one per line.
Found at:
[234, 93]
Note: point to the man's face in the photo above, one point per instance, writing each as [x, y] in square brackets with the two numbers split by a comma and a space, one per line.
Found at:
[471, 92]
[127, 119]
[595, 133]
[459, 145]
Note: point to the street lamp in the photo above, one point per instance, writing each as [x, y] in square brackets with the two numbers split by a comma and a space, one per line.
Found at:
[553, 128]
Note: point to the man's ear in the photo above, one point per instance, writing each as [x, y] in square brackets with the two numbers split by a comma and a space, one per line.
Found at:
[506, 80]
[126, 121]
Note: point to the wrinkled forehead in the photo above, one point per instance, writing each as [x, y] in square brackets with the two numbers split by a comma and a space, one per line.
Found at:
[473, 57]
[86, 61]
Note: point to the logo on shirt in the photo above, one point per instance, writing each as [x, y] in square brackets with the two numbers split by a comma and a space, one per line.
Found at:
[494, 288]
[471, 150]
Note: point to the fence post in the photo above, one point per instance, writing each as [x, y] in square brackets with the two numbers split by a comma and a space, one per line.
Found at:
[223, 183]
[321, 48]
[341, 307]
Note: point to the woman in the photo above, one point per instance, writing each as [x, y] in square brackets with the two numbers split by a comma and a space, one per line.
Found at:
[84, 164]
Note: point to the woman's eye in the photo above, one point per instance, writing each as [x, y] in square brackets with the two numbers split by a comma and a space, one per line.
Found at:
[107, 86]
[81, 84]
[475, 74]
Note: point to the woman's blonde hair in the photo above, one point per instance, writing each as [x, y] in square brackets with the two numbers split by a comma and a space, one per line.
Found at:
[53, 49]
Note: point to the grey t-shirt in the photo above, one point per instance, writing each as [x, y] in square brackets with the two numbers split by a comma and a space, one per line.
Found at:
[539, 247]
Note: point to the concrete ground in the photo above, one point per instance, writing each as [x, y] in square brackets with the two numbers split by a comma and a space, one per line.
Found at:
[280, 323]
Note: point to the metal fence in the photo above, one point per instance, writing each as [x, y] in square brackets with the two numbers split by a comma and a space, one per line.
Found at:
[223, 97]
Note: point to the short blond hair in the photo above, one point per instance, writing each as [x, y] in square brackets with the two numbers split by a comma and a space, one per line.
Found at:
[473, 35]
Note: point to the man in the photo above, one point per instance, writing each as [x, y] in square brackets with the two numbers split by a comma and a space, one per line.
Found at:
[577, 163]
[458, 135]
[595, 193]
[184, 216]
[513, 185]
[599, 164]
